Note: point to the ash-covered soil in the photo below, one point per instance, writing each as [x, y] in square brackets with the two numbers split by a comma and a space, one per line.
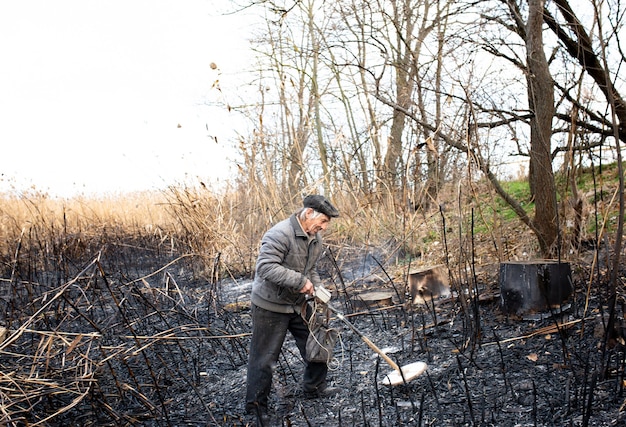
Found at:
[484, 368]
[164, 347]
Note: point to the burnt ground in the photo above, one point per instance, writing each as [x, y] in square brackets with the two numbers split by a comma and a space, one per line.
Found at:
[117, 343]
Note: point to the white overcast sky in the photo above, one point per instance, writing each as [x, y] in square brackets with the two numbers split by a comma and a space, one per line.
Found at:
[92, 93]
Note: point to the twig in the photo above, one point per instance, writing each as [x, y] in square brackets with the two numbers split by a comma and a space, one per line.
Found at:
[540, 331]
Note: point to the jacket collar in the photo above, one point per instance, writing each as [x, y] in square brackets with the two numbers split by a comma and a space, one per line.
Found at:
[297, 227]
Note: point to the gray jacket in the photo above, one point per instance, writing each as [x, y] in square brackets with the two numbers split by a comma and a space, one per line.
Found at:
[286, 259]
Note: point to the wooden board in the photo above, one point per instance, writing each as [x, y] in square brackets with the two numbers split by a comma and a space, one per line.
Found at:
[374, 298]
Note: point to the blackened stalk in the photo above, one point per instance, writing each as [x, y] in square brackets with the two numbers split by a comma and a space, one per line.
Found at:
[331, 256]
[424, 340]
[363, 414]
[305, 417]
[393, 285]
[474, 295]
[421, 413]
[435, 396]
[534, 413]
[587, 412]
[377, 390]
[433, 311]
[507, 385]
[467, 390]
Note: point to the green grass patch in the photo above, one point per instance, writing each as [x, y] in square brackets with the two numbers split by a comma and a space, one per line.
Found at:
[520, 191]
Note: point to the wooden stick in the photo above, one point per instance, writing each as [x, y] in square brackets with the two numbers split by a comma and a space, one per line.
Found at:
[365, 339]
[544, 330]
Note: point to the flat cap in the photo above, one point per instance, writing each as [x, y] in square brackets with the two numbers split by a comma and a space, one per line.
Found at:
[320, 204]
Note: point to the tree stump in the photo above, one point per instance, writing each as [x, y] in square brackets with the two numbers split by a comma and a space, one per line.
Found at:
[532, 286]
[428, 283]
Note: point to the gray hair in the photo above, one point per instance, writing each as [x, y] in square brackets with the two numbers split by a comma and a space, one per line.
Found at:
[301, 214]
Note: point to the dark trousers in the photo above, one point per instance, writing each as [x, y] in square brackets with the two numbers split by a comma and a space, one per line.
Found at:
[269, 330]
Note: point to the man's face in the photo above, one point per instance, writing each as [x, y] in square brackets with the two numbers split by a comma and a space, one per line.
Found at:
[313, 225]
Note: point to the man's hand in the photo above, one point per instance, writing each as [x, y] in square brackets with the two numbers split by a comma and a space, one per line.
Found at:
[308, 288]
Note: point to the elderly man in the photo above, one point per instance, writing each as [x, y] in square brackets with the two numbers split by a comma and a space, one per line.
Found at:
[285, 274]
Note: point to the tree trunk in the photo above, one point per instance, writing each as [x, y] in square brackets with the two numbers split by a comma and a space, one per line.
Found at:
[315, 96]
[393, 156]
[541, 103]
[404, 66]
